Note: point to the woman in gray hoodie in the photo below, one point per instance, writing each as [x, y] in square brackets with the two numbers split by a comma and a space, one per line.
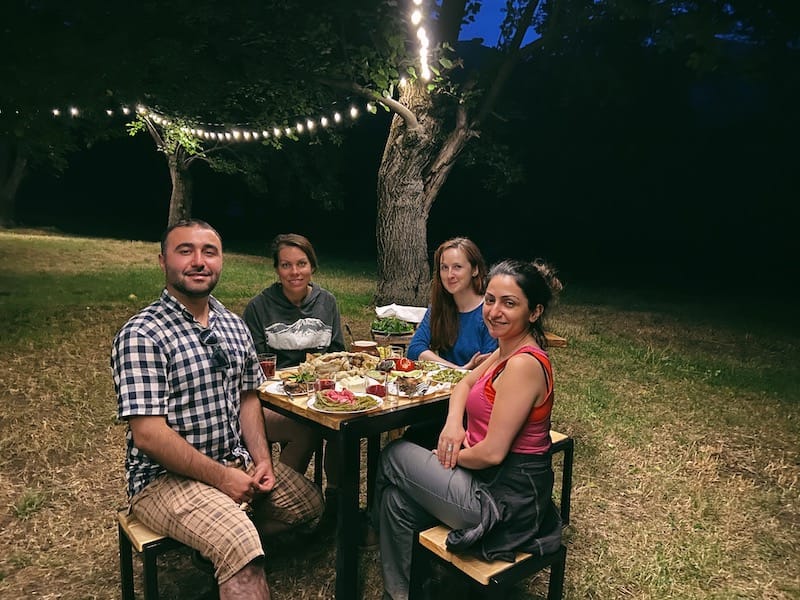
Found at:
[292, 317]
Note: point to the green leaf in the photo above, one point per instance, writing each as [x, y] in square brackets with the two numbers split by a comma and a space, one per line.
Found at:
[446, 62]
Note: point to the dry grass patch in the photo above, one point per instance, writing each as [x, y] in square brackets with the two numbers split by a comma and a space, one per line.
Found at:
[687, 463]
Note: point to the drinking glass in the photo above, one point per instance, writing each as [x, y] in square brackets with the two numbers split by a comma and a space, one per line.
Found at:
[267, 362]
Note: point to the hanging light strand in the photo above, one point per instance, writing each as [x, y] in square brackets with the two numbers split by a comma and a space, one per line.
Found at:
[219, 132]
[248, 132]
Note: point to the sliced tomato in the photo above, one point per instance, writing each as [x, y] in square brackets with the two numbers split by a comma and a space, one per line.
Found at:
[404, 364]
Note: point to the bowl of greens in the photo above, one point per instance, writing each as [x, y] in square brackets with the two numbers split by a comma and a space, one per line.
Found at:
[391, 330]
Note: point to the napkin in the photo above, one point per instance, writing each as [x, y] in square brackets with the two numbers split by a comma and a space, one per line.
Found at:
[412, 314]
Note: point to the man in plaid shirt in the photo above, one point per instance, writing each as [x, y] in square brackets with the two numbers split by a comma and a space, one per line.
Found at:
[186, 374]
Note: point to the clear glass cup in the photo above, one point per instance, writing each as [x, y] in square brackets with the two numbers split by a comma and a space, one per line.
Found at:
[267, 361]
[397, 351]
[311, 390]
[391, 398]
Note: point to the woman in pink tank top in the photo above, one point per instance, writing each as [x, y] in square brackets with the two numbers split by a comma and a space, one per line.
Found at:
[492, 481]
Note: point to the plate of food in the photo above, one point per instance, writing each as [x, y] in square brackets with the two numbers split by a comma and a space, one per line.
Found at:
[448, 375]
[343, 402]
[274, 387]
[411, 387]
[286, 388]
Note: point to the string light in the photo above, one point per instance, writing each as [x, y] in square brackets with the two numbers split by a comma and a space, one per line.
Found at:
[306, 124]
[424, 42]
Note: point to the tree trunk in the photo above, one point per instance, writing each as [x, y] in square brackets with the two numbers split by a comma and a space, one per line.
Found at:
[415, 165]
[12, 168]
[180, 202]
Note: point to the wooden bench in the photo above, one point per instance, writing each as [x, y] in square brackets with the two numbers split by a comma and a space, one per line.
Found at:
[134, 535]
[555, 341]
[493, 577]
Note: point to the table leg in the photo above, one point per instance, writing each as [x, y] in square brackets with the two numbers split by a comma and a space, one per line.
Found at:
[373, 452]
[348, 526]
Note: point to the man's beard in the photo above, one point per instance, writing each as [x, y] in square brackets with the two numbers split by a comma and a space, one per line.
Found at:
[212, 283]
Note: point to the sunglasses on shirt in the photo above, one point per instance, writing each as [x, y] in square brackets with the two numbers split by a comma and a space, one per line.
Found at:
[219, 358]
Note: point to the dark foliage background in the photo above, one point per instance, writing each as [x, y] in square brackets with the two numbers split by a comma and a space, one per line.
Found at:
[636, 169]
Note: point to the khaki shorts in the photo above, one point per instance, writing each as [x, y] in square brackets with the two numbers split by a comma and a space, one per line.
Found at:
[206, 519]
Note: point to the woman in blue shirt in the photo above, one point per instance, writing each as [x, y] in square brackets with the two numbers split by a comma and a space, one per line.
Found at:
[452, 331]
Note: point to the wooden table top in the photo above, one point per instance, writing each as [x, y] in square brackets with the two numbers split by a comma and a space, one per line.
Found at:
[299, 406]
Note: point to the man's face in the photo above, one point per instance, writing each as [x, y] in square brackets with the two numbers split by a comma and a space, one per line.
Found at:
[192, 261]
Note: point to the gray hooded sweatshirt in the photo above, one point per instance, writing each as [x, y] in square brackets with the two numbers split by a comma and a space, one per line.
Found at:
[291, 331]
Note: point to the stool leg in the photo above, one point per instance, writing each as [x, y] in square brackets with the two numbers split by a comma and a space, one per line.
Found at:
[125, 564]
[420, 570]
[555, 588]
[150, 574]
[566, 482]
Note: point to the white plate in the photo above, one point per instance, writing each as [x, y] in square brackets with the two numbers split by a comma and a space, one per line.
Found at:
[378, 399]
[434, 388]
[276, 387]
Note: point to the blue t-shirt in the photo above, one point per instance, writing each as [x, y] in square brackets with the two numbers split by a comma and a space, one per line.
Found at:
[472, 337]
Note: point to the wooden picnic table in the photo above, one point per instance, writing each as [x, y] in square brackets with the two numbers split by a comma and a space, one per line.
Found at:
[348, 430]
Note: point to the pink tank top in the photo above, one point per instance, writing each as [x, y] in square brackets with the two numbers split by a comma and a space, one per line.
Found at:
[534, 437]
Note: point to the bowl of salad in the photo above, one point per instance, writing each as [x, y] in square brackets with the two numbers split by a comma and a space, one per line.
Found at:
[391, 330]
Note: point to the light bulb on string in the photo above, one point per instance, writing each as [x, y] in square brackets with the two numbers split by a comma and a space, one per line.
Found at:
[416, 17]
[353, 112]
[56, 112]
[324, 121]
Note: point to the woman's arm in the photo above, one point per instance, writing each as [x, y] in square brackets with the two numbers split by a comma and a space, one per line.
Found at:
[519, 388]
[421, 340]
[453, 434]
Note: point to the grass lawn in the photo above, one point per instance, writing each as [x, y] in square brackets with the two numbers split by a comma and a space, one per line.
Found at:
[686, 416]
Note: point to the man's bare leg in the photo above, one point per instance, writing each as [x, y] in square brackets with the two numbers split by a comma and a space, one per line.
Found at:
[248, 584]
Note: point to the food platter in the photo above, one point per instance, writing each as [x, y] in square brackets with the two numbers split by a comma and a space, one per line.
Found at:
[312, 404]
[354, 371]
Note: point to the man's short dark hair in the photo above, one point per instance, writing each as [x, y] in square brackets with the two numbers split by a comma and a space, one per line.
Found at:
[186, 223]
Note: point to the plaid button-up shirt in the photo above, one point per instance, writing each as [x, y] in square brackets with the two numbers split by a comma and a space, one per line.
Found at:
[161, 368]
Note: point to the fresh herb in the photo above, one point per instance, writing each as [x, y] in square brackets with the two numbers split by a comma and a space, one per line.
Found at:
[303, 377]
[392, 325]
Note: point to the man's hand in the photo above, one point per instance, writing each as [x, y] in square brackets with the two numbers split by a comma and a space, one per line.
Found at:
[263, 478]
[237, 484]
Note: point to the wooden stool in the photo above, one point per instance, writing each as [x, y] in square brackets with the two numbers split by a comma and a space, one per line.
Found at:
[133, 534]
[492, 578]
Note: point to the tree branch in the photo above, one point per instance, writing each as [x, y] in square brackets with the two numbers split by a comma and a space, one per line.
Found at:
[507, 66]
[154, 133]
[450, 16]
[396, 107]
